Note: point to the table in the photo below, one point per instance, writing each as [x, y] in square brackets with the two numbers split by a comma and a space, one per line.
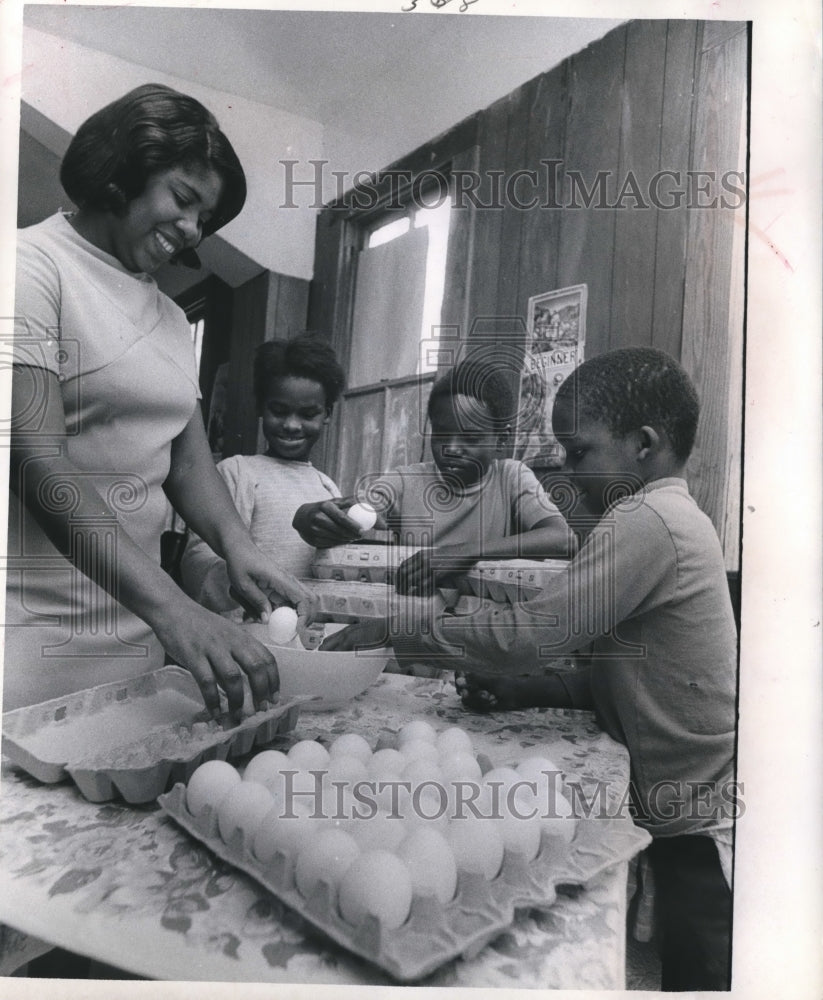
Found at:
[127, 887]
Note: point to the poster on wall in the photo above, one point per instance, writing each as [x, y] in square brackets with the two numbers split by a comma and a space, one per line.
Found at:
[555, 346]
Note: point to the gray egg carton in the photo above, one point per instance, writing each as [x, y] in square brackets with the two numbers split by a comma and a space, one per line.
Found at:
[502, 580]
[133, 739]
[434, 933]
[360, 562]
[511, 580]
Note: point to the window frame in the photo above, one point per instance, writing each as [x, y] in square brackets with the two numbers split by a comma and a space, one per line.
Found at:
[343, 226]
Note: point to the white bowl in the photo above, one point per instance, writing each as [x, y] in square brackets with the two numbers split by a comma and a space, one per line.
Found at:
[331, 679]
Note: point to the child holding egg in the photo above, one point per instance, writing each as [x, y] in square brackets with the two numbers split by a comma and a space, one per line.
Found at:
[296, 384]
[464, 505]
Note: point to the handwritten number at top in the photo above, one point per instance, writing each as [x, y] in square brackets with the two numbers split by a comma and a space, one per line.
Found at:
[437, 4]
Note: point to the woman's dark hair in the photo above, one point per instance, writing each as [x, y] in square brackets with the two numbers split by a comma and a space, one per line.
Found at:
[633, 387]
[481, 380]
[308, 355]
[150, 129]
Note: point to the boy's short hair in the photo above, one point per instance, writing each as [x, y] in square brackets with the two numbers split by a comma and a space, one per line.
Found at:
[308, 355]
[150, 129]
[634, 387]
[481, 380]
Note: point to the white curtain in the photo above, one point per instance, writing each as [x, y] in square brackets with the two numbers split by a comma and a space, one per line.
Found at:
[388, 309]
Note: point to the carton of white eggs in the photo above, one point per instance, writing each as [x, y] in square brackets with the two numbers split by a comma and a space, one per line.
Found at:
[379, 849]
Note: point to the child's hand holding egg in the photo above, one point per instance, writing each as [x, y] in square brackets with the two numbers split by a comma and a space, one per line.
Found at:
[363, 515]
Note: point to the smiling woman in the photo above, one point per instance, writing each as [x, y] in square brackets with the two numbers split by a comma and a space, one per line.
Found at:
[106, 426]
[165, 220]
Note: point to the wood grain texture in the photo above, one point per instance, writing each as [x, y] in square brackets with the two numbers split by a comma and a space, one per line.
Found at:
[287, 307]
[540, 230]
[488, 217]
[248, 330]
[707, 344]
[454, 312]
[586, 251]
[518, 190]
[360, 451]
[635, 221]
[270, 306]
[675, 152]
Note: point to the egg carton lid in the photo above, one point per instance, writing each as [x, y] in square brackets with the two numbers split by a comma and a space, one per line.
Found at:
[133, 738]
[434, 933]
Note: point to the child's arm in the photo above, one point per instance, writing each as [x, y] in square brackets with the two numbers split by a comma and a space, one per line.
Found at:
[204, 574]
[481, 693]
[420, 573]
[628, 563]
[325, 524]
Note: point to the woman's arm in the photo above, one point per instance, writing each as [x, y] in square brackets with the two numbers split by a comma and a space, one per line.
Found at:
[199, 495]
[215, 651]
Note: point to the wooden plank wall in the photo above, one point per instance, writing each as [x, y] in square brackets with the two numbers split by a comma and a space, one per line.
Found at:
[650, 96]
[268, 307]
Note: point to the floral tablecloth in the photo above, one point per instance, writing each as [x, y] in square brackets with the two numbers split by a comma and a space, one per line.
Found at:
[126, 886]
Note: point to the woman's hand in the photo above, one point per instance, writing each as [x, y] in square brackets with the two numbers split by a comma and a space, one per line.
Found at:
[325, 523]
[372, 634]
[420, 573]
[255, 580]
[218, 653]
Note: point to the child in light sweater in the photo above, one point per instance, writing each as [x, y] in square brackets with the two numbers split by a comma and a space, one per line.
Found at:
[296, 384]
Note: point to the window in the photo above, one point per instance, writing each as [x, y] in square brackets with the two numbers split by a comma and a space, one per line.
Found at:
[388, 288]
[398, 295]
[197, 328]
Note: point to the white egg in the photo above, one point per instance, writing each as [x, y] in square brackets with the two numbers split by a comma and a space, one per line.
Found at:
[417, 729]
[209, 784]
[377, 883]
[534, 767]
[282, 625]
[348, 769]
[544, 772]
[542, 782]
[326, 858]
[477, 846]
[430, 805]
[503, 777]
[379, 831]
[522, 836]
[460, 766]
[559, 820]
[364, 515]
[338, 807]
[420, 749]
[309, 755]
[420, 770]
[385, 764]
[283, 831]
[302, 787]
[454, 740]
[266, 768]
[243, 808]
[430, 860]
[350, 745]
